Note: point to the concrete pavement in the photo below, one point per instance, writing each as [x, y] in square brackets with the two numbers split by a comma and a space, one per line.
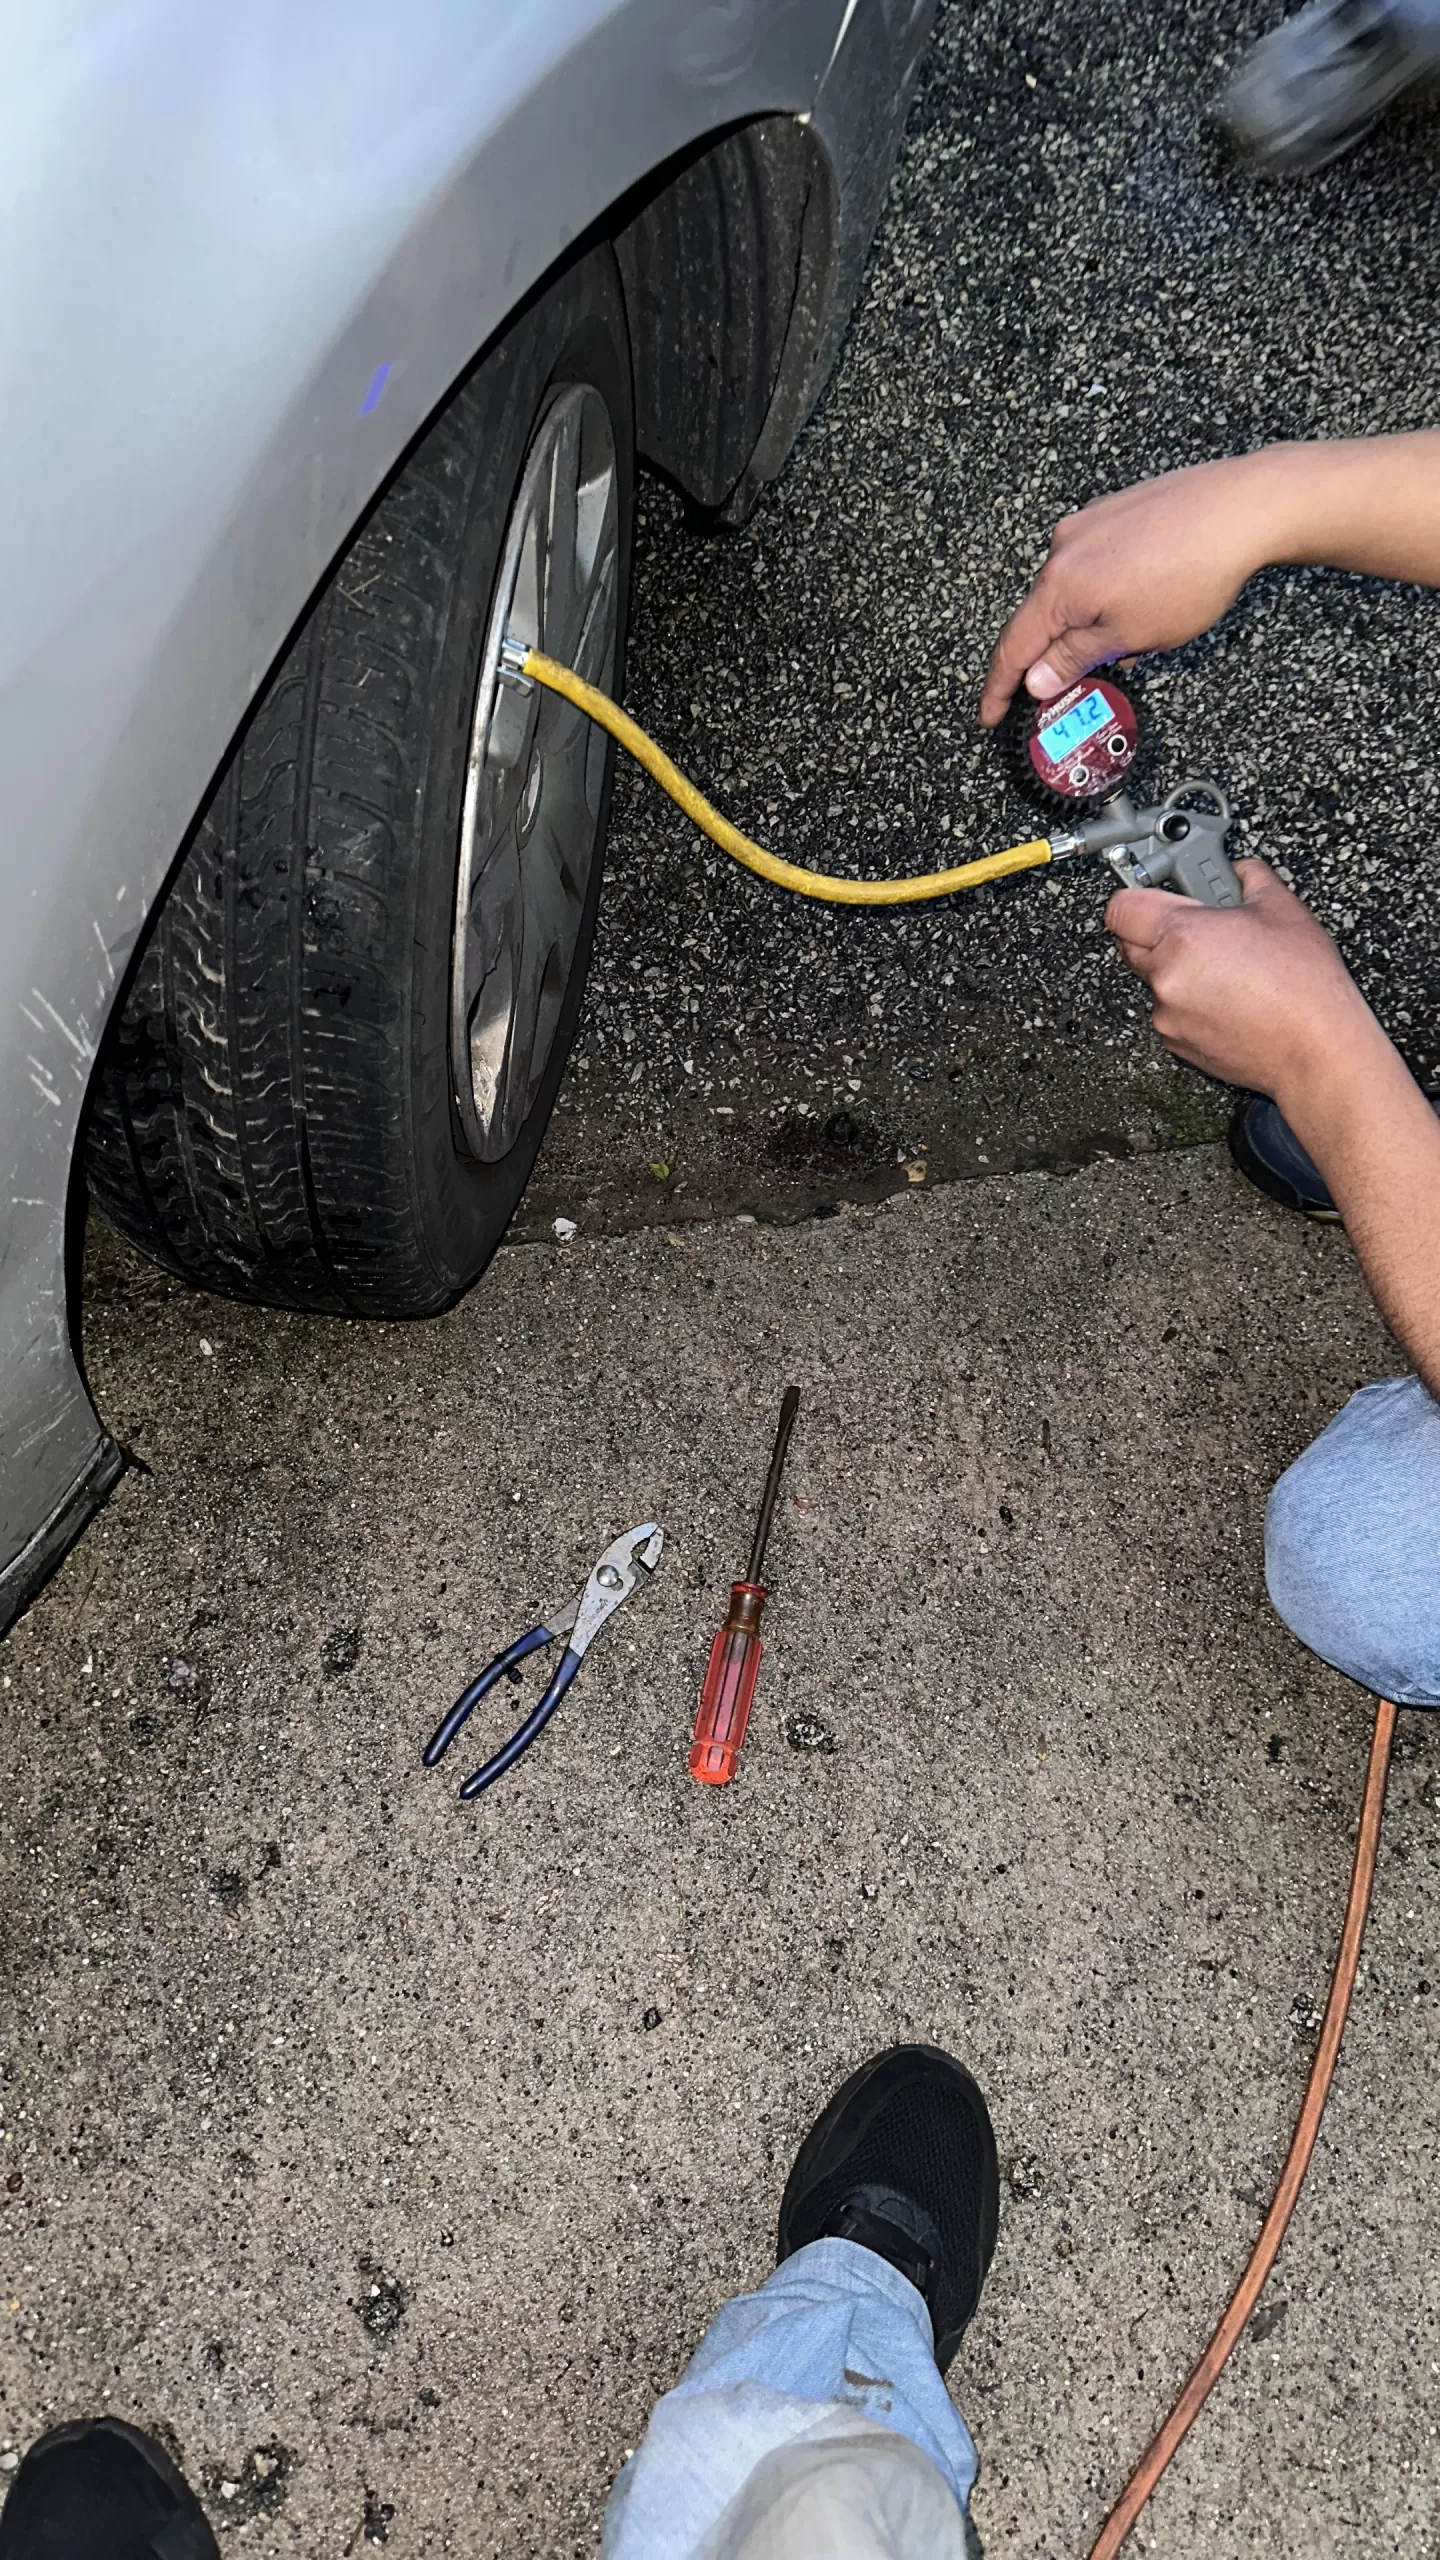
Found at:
[391, 2156]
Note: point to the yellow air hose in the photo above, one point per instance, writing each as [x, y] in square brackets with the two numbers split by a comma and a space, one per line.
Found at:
[784, 875]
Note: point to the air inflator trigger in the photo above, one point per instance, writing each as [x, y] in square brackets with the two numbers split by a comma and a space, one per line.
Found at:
[1177, 845]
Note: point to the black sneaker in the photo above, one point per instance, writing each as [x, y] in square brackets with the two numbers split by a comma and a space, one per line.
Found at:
[1266, 1150]
[99, 2490]
[903, 2162]
[1268, 1153]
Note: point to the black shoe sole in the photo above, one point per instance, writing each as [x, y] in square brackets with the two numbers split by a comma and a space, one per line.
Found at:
[838, 2131]
[202, 2544]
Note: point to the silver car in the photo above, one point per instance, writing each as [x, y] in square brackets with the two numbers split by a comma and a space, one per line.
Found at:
[334, 330]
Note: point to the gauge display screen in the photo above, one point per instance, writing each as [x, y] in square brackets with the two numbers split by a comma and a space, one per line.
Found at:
[1063, 736]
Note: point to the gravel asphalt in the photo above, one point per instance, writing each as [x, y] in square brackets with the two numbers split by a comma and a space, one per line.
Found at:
[1074, 286]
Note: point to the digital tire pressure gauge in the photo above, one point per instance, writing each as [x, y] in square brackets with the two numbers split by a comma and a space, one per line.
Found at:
[1079, 748]
[1075, 755]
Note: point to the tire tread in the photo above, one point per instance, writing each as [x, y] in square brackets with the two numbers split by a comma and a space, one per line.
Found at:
[266, 1147]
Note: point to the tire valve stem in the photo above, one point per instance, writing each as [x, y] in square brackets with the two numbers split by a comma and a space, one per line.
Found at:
[734, 1664]
[511, 670]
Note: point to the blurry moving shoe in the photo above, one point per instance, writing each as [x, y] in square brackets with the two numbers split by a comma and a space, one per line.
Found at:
[1316, 84]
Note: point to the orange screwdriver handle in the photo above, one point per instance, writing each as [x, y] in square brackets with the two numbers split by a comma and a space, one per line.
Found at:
[730, 1677]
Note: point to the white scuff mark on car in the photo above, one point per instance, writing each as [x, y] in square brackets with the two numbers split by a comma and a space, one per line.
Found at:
[850, 8]
[79, 1040]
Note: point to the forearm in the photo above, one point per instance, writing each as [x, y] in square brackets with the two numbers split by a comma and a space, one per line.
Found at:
[1366, 502]
[1361, 1116]
[1149, 567]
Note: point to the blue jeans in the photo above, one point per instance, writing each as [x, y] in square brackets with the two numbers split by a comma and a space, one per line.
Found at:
[836, 2351]
[1352, 1543]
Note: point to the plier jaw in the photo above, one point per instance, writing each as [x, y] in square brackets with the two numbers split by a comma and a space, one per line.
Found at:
[625, 1565]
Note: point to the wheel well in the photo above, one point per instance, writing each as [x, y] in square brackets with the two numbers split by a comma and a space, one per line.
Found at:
[728, 270]
[727, 258]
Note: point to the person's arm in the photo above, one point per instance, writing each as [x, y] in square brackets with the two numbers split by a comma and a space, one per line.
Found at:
[1261, 998]
[1152, 566]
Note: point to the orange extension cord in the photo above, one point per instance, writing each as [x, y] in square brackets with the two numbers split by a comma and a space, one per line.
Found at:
[1171, 2436]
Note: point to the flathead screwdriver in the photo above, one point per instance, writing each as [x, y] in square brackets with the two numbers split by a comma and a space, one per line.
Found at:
[734, 1664]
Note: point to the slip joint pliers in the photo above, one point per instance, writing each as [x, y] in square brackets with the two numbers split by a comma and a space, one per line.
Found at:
[624, 1567]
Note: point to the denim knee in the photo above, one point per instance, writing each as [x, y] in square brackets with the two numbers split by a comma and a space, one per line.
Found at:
[1352, 1543]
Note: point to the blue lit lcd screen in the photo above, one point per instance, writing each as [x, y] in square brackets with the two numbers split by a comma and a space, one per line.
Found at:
[1073, 727]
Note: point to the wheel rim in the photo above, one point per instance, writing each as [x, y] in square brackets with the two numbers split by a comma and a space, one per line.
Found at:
[535, 775]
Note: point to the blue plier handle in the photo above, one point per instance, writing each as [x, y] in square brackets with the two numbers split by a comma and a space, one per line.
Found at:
[622, 1568]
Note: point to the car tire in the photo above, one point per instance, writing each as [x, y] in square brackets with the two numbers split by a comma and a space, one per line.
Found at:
[311, 1097]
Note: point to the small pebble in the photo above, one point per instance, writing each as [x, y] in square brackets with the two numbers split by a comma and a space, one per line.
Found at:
[807, 1733]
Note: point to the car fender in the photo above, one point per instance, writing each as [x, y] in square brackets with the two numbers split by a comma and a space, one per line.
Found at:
[248, 251]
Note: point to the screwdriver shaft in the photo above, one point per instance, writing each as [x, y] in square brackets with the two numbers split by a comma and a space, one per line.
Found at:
[789, 1407]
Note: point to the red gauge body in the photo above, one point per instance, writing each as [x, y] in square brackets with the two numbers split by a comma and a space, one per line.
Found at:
[1080, 747]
